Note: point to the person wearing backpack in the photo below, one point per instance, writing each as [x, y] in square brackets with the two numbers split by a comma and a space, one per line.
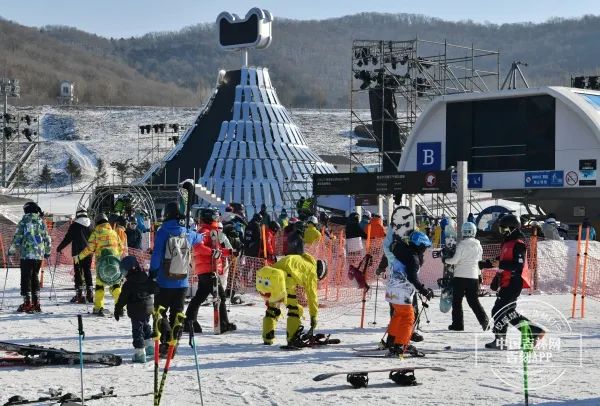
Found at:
[103, 241]
[34, 244]
[208, 265]
[169, 266]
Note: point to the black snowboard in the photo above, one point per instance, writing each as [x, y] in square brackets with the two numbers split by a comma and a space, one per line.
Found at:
[38, 355]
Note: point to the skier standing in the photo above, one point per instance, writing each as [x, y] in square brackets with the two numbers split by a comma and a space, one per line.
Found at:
[171, 294]
[134, 234]
[277, 284]
[283, 218]
[252, 237]
[270, 235]
[102, 238]
[34, 244]
[513, 277]
[400, 291]
[118, 223]
[77, 235]
[293, 242]
[136, 294]
[311, 234]
[466, 278]
[208, 265]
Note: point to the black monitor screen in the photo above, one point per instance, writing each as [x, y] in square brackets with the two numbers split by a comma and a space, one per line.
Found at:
[511, 134]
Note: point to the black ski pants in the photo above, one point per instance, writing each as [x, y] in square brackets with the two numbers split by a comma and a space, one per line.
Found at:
[206, 286]
[462, 287]
[505, 310]
[140, 331]
[173, 300]
[30, 277]
[83, 273]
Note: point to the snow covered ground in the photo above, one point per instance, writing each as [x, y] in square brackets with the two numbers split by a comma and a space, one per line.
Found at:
[237, 369]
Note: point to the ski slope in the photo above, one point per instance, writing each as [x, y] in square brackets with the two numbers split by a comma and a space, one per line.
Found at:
[236, 369]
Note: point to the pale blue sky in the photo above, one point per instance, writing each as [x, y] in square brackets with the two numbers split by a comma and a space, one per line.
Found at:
[124, 18]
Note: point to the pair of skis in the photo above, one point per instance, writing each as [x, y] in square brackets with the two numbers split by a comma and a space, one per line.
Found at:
[173, 344]
[57, 397]
[36, 355]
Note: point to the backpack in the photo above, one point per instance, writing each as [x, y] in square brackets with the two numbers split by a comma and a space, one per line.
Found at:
[177, 257]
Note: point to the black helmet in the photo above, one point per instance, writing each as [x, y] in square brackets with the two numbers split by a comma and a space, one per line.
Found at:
[113, 218]
[238, 208]
[172, 211]
[507, 224]
[274, 226]
[129, 263]
[257, 217]
[353, 217]
[321, 269]
[101, 219]
[208, 215]
[31, 208]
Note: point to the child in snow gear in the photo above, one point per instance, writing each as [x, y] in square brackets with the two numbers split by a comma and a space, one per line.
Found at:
[77, 235]
[34, 244]
[466, 278]
[513, 277]
[208, 265]
[103, 239]
[171, 294]
[278, 283]
[136, 294]
[400, 291]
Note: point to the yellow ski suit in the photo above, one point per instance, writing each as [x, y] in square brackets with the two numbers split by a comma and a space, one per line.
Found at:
[311, 234]
[103, 237]
[278, 283]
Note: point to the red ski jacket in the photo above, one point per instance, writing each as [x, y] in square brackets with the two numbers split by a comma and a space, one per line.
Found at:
[203, 253]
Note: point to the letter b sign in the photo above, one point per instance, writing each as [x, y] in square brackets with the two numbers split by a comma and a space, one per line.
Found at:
[429, 157]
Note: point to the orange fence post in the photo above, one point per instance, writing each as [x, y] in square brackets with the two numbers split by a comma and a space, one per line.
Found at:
[576, 278]
[585, 260]
[364, 295]
[263, 233]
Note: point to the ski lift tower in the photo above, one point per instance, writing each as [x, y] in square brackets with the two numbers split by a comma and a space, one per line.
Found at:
[8, 88]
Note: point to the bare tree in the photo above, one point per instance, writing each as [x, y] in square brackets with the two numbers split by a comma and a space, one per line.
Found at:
[122, 168]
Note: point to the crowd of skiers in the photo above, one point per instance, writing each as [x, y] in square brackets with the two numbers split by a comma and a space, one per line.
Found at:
[217, 238]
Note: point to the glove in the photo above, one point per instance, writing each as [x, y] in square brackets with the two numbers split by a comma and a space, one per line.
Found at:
[216, 253]
[76, 259]
[118, 314]
[427, 292]
[495, 284]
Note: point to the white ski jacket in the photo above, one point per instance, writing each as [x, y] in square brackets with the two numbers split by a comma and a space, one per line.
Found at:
[466, 259]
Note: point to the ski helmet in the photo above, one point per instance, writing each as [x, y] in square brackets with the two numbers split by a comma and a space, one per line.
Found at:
[208, 215]
[31, 208]
[353, 217]
[171, 211]
[313, 220]
[468, 230]
[257, 217]
[419, 239]
[366, 214]
[81, 213]
[274, 226]
[508, 224]
[101, 219]
[321, 269]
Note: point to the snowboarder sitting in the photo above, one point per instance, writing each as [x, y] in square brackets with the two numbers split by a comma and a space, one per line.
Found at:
[277, 284]
[136, 294]
[77, 235]
[103, 238]
[34, 244]
[400, 290]
[513, 277]
[466, 278]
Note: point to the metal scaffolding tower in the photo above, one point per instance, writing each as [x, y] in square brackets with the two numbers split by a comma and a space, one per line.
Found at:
[397, 78]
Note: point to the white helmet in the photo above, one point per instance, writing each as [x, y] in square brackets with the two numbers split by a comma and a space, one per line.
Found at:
[313, 220]
[468, 230]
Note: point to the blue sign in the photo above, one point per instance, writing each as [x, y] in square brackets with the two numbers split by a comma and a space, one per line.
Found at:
[544, 179]
[429, 156]
[475, 180]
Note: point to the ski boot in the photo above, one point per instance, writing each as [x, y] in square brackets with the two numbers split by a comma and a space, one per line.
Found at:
[499, 343]
[139, 356]
[237, 300]
[149, 344]
[537, 333]
[399, 351]
[89, 295]
[197, 327]
[452, 327]
[388, 343]
[78, 298]
[225, 327]
[26, 306]
[416, 337]
[101, 312]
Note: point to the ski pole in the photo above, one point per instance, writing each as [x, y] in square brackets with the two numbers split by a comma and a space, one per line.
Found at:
[157, 316]
[52, 273]
[81, 337]
[193, 345]
[5, 259]
[424, 306]
[376, 291]
[175, 333]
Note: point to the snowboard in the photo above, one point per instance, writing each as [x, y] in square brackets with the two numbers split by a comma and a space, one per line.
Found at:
[322, 377]
[438, 354]
[38, 355]
[445, 282]
[317, 340]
